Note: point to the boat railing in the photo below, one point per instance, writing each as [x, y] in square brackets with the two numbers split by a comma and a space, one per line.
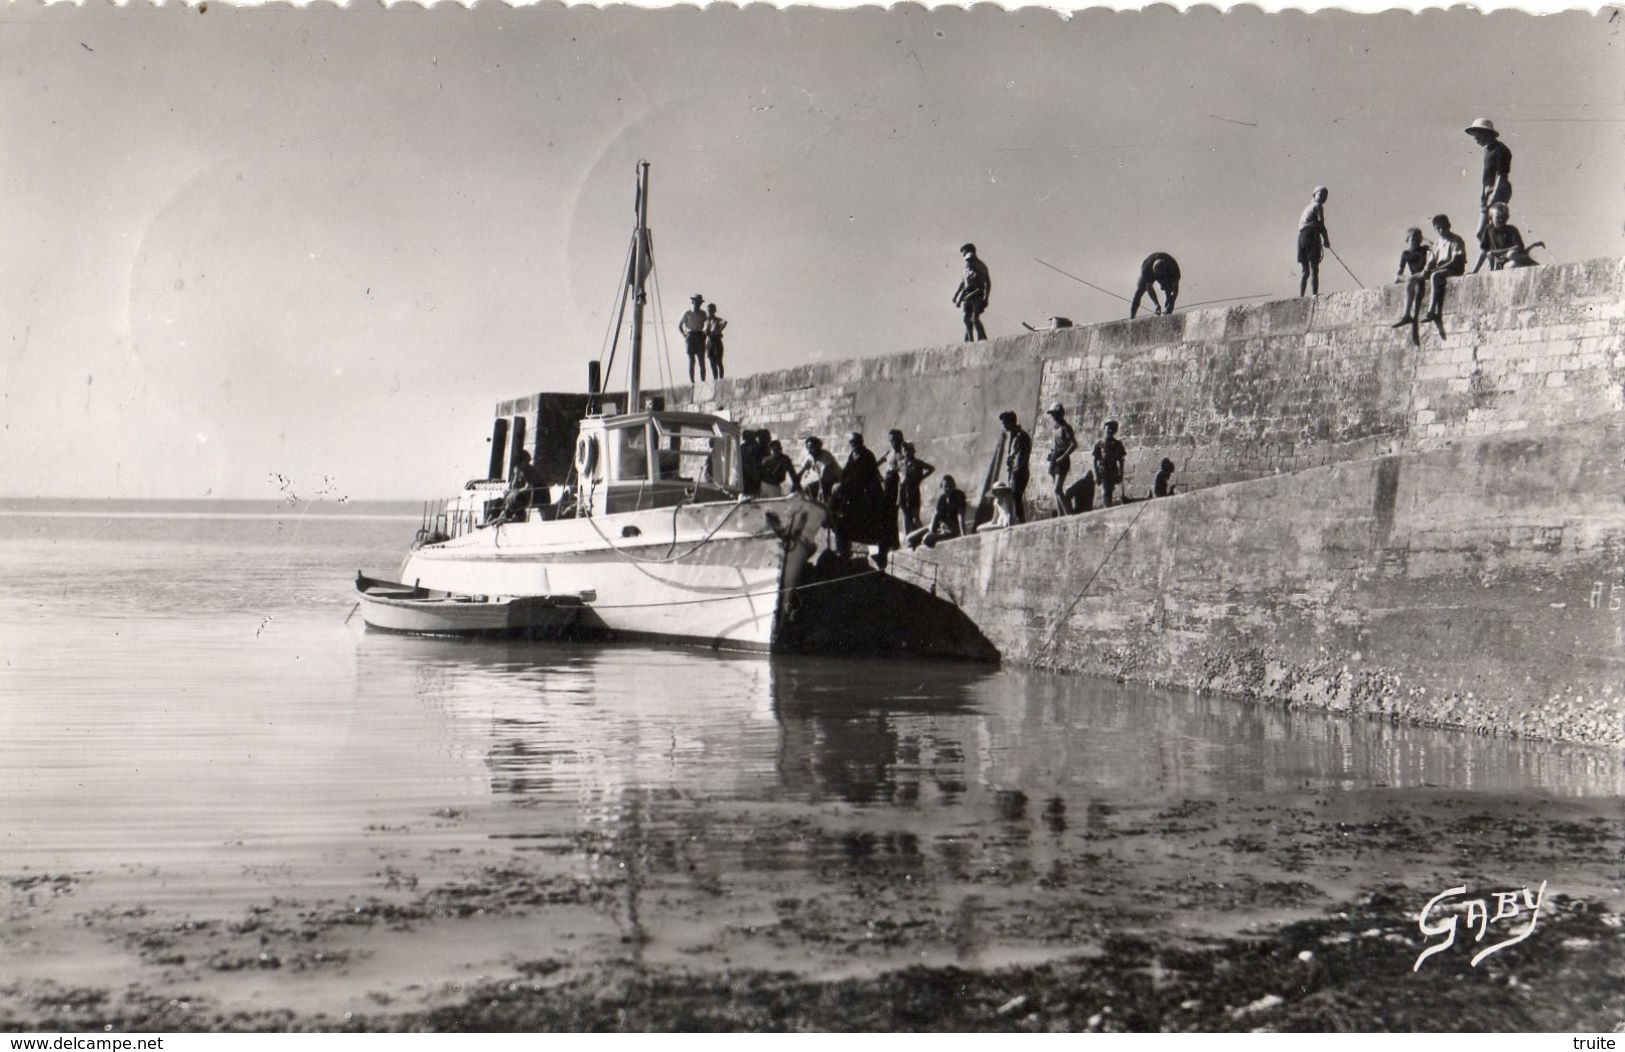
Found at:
[444, 520]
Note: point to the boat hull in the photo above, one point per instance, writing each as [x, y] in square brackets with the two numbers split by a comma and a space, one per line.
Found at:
[389, 607]
[719, 575]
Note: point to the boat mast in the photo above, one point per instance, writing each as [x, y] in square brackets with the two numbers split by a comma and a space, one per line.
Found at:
[641, 262]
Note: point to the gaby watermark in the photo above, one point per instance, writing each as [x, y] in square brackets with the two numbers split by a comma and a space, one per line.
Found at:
[1510, 906]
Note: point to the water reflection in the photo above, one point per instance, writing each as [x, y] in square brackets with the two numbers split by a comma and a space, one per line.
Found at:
[579, 722]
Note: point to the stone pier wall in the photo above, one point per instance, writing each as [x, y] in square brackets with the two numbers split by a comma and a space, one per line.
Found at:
[1238, 393]
[1433, 532]
[1479, 585]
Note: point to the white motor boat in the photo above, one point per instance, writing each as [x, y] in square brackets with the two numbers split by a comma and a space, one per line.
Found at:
[653, 528]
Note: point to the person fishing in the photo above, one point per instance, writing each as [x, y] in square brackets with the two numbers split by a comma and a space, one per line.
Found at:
[1312, 237]
[1162, 269]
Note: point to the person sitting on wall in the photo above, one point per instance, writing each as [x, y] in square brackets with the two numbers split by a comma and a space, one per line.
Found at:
[1163, 484]
[947, 522]
[524, 482]
[1413, 259]
[1502, 243]
[1080, 496]
[1448, 260]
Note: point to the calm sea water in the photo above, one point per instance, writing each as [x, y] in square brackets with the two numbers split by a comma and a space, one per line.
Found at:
[186, 712]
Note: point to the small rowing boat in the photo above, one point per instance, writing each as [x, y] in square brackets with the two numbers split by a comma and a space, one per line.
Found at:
[393, 607]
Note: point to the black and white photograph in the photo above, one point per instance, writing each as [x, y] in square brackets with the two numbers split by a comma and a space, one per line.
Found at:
[569, 520]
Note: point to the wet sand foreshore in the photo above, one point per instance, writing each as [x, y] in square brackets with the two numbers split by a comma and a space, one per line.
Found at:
[1234, 913]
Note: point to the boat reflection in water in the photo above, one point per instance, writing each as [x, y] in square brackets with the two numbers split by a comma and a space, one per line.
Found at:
[581, 722]
[801, 812]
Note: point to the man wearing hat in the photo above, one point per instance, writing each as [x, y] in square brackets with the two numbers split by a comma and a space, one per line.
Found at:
[1497, 183]
[972, 295]
[1061, 449]
[1109, 456]
[1018, 451]
[692, 329]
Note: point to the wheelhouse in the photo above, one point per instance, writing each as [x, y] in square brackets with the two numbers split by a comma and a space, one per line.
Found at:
[637, 461]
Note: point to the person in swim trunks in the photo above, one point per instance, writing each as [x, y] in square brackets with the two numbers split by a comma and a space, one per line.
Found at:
[1312, 236]
[692, 329]
[1163, 269]
[975, 288]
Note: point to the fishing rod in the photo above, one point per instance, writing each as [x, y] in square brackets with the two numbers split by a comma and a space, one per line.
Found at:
[1232, 299]
[1345, 266]
[1079, 280]
[1125, 299]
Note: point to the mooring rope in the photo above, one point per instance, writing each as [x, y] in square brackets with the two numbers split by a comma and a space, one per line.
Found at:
[726, 598]
[701, 543]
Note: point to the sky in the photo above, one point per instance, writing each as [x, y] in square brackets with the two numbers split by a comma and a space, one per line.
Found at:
[269, 252]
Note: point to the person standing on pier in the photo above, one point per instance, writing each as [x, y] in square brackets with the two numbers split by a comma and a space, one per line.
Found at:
[714, 324]
[1496, 185]
[973, 293]
[692, 328]
[1018, 453]
[858, 502]
[1062, 446]
[752, 450]
[822, 466]
[915, 472]
[1163, 269]
[1312, 236]
[891, 471]
[776, 466]
[1109, 456]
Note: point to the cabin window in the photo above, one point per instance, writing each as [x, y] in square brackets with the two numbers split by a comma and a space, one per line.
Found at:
[694, 453]
[631, 453]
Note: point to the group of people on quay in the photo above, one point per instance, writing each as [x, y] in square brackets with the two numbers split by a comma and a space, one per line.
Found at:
[1105, 475]
[866, 494]
[1424, 268]
[879, 500]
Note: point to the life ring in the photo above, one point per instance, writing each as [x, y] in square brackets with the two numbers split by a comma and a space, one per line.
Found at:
[586, 456]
